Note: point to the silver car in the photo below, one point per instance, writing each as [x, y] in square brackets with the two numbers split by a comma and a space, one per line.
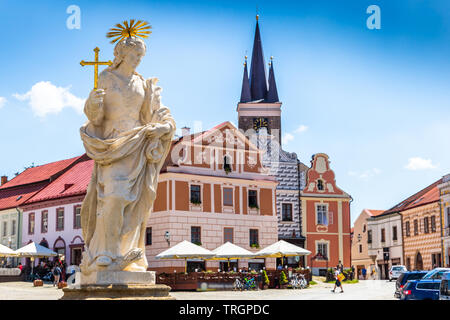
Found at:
[396, 271]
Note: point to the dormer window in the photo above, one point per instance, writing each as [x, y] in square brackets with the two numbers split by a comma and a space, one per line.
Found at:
[320, 185]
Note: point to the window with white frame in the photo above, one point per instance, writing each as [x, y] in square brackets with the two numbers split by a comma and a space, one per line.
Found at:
[5, 228]
[286, 211]
[60, 219]
[13, 227]
[44, 221]
[322, 249]
[322, 214]
[195, 194]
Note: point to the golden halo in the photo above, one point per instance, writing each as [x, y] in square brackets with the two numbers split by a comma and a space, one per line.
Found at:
[138, 29]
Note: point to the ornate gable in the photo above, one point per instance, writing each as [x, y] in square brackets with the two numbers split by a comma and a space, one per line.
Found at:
[320, 179]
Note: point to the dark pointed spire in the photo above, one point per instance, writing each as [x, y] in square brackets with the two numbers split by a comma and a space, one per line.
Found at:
[258, 82]
[245, 92]
[272, 95]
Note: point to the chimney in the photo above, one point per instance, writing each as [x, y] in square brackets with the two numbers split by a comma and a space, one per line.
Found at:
[4, 180]
[185, 131]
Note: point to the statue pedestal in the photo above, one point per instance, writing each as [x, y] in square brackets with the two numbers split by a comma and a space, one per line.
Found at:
[116, 285]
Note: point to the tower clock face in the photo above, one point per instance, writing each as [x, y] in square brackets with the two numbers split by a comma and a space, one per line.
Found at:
[259, 123]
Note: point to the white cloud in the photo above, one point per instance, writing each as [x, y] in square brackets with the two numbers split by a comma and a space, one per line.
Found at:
[365, 174]
[46, 98]
[417, 163]
[301, 129]
[2, 101]
[287, 137]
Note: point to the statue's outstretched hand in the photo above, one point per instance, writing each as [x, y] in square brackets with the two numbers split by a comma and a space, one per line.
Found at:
[158, 130]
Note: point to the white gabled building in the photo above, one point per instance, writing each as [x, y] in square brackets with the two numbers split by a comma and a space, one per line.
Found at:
[385, 244]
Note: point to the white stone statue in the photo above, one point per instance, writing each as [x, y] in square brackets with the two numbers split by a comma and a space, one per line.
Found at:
[128, 134]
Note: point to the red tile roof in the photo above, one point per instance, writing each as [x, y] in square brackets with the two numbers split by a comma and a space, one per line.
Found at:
[39, 173]
[427, 195]
[73, 182]
[14, 197]
[374, 213]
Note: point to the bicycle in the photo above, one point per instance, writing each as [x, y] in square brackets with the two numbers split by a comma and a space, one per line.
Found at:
[250, 284]
[238, 285]
[298, 281]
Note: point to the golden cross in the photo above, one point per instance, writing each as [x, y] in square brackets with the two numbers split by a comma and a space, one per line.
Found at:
[95, 63]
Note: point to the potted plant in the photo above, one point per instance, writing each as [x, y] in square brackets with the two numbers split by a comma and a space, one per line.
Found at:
[197, 243]
[254, 245]
[196, 202]
[266, 280]
[283, 280]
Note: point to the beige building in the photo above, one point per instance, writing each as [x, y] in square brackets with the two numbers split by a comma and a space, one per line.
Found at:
[444, 188]
[216, 191]
[360, 256]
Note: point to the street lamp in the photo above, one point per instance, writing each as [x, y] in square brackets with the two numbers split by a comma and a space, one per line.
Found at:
[167, 237]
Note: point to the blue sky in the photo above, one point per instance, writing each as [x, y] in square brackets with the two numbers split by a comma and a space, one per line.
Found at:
[376, 101]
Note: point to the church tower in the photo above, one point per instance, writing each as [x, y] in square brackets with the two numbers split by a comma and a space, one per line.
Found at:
[259, 106]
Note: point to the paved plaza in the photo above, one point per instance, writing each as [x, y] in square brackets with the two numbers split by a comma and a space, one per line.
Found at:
[364, 290]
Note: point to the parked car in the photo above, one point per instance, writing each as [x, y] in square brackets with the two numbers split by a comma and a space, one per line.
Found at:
[436, 273]
[396, 271]
[404, 278]
[444, 293]
[424, 289]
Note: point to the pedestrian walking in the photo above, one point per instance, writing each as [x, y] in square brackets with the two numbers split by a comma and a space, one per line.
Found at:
[340, 266]
[338, 282]
[364, 272]
[56, 274]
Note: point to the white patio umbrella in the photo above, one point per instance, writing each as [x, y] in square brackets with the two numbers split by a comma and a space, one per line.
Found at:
[6, 252]
[185, 250]
[281, 249]
[34, 250]
[229, 251]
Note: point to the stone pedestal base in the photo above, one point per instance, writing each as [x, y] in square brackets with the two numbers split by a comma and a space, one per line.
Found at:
[118, 292]
[116, 285]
